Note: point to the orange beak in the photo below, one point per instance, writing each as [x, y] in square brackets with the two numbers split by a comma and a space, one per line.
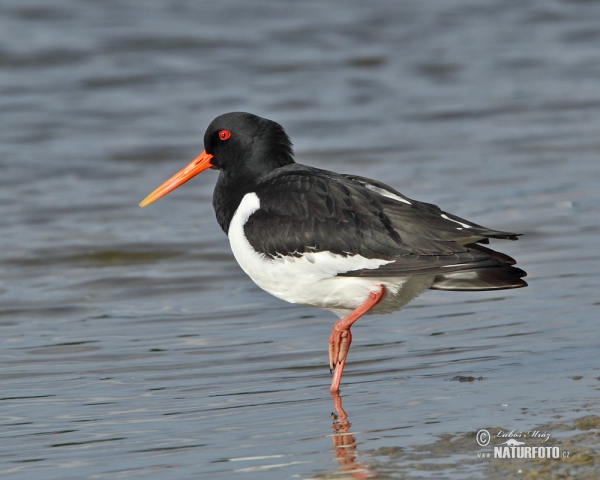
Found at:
[199, 164]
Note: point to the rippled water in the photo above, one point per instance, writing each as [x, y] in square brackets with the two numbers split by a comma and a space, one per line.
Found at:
[133, 345]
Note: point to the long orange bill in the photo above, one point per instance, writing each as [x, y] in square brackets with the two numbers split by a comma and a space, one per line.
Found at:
[199, 164]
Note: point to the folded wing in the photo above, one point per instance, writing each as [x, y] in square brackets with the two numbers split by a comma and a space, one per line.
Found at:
[304, 210]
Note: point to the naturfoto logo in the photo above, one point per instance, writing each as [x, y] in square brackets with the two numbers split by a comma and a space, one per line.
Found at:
[513, 448]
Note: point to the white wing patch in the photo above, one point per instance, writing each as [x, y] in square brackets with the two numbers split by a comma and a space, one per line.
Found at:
[465, 225]
[385, 193]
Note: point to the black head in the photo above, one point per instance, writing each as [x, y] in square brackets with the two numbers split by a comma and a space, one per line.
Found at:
[246, 146]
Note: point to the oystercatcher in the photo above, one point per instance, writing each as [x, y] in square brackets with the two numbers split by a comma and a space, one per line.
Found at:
[344, 243]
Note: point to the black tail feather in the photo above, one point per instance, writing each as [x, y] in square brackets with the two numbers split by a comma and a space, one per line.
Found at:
[498, 276]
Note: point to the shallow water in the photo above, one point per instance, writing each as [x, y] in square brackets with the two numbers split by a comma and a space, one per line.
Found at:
[132, 343]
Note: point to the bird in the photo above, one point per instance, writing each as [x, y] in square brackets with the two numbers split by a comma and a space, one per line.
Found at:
[340, 242]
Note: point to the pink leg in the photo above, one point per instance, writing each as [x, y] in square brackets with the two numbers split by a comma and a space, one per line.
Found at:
[341, 338]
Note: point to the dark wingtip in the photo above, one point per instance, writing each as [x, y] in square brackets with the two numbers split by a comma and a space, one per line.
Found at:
[506, 236]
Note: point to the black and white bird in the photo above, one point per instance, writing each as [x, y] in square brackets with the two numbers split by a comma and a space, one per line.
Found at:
[344, 243]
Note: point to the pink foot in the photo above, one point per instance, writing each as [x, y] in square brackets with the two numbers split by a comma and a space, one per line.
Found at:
[341, 338]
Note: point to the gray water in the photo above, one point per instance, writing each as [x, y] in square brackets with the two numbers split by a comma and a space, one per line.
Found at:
[132, 345]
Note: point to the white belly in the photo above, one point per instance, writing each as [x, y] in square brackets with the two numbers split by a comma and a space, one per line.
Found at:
[311, 278]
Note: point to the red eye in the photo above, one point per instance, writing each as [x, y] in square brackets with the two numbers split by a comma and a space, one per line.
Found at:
[224, 134]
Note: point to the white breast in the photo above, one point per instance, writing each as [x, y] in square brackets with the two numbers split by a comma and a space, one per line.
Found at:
[311, 278]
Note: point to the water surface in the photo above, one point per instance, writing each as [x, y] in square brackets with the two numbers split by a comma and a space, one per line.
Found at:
[132, 343]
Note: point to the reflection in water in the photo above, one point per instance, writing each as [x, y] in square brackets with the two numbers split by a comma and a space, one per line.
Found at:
[344, 443]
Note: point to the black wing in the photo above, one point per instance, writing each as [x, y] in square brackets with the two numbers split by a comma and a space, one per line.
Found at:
[303, 209]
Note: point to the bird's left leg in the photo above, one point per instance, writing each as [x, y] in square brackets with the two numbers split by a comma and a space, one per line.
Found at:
[340, 338]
